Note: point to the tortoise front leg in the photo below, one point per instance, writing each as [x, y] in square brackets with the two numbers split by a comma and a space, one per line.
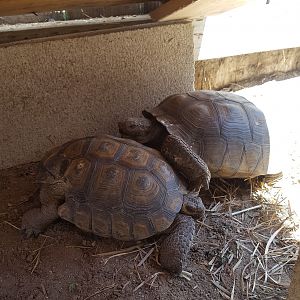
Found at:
[176, 246]
[38, 219]
[185, 160]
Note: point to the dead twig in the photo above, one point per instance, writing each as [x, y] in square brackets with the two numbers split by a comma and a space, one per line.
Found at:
[44, 291]
[222, 289]
[100, 291]
[152, 277]
[119, 254]
[37, 257]
[135, 247]
[122, 252]
[80, 247]
[203, 224]
[246, 210]
[272, 237]
[125, 285]
[232, 290]
[12, 225]
[145, 257]
[186, 275]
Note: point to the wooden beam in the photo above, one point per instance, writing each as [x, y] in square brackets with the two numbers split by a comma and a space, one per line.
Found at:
[193, 9]
[234, 72]
[23, 32]
[18, 7]
[198, 31]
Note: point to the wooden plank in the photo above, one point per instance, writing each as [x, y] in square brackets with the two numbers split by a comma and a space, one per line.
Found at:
[197, 36]
[86, 13]
[58, 35]
[193, 9]
[25, 32]
[131, 9]
[234, 72]
[18, 7]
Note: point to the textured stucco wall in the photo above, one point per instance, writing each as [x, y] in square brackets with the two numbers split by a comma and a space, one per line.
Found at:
[56, 90]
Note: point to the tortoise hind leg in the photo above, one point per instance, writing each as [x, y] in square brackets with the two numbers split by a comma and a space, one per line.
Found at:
[180, 155]
[176, 246]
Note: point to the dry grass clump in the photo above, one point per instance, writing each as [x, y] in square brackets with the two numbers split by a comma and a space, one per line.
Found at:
[260, 254]
[254, 260]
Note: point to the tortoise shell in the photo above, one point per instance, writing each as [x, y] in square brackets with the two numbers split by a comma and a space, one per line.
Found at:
[118, 188]
[226, 130]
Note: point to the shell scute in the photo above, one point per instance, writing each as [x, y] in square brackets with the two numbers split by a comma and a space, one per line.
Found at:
[118, 189]
[220, 127]
[134, 157]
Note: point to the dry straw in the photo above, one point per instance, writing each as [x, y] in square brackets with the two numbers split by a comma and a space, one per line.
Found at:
[262, 249]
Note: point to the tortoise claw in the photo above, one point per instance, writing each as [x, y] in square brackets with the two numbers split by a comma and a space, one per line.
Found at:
[194, 189]
[196, 185]
[32, 223]
[193, 194]
[29, 232]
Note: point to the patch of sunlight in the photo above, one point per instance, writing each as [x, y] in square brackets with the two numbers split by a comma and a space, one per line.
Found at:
[254, 27]
[280, 102]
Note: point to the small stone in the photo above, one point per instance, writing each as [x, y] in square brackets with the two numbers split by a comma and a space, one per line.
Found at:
[29, 258]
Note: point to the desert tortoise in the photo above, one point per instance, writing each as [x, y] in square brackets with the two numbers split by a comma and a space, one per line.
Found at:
[117, 188]
[226, 130]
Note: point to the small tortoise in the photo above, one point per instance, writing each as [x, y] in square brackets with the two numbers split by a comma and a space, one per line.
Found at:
[226, 130]
[117, 188]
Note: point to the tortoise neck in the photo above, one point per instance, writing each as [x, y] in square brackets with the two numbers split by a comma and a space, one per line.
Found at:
[156, 136]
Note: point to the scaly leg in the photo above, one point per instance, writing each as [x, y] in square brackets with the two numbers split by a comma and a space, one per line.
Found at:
[38, 219]
[185, 160]
[176, 246]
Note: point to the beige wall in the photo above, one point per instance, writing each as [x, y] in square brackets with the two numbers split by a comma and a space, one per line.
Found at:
[53, 91]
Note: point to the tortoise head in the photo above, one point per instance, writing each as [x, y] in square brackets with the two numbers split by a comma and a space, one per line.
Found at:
[51, 176]
[138, 129]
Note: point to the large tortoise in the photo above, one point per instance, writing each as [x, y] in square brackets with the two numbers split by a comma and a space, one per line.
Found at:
[226, 130]
[117, 188]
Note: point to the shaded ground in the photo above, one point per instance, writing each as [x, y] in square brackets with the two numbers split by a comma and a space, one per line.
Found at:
[243, 249]
[61, 265]
[66, 272]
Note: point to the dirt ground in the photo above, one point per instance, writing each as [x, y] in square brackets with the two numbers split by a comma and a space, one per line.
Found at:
[235, 254]
[66, 267]
[61, 264]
